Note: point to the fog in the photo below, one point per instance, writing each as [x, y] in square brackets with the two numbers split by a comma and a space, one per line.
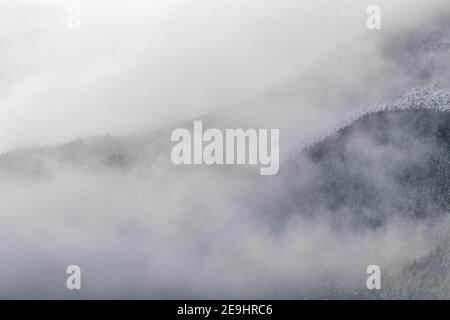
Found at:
[153, 233]
[144, 64]
[140, 227]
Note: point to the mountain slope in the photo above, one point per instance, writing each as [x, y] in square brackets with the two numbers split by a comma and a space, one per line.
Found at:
[391, 160]
[372, 190]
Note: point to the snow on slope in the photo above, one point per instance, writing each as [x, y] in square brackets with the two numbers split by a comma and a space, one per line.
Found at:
[427, 98]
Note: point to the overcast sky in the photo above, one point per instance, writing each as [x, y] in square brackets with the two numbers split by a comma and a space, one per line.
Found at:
[155, 230]
[136, 65]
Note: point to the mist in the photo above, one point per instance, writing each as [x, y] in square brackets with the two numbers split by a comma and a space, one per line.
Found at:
[86, 176]
[145, 64]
